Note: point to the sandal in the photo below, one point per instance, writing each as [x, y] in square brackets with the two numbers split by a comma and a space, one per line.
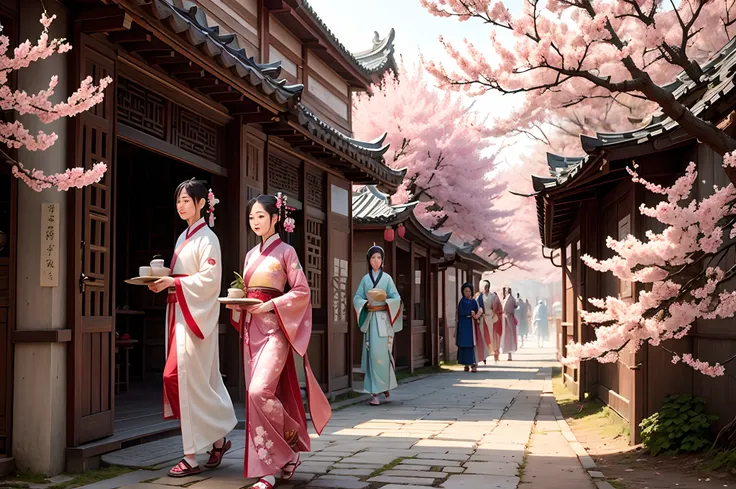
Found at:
[286, 475]
[262, 484]
[183, 469]
[217, 454]
[374, 401]
[467, 369]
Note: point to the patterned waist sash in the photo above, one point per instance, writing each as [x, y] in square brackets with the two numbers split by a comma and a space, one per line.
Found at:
[264, 294]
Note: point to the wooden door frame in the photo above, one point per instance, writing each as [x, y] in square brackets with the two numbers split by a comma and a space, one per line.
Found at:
[6, 365]
[75, 435]
[338, 222]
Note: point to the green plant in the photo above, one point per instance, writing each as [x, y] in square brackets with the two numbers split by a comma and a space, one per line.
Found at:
[681, 425]
[238, 283]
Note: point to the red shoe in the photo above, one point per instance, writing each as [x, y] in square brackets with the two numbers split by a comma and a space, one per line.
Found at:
[288, 471]
[216, 454]
[183, 469]
[262, 484]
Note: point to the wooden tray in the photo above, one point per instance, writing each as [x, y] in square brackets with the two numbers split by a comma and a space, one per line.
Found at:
[142, 280]
[243, 301]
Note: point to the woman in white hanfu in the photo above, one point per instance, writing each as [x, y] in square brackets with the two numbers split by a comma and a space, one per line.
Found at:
[509, 341]
[194, 391]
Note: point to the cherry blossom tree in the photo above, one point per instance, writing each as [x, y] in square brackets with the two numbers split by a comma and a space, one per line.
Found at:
[685, 268]
[600, 54]
[15, 135]
[450, 157]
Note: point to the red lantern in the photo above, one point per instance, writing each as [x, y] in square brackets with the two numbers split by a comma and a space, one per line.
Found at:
[402, 231]
[388, 234]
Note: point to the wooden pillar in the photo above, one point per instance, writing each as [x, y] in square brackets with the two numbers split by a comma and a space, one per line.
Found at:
[412, 291]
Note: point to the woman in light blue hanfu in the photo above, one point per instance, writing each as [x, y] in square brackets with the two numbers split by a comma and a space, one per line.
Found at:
[378, 310]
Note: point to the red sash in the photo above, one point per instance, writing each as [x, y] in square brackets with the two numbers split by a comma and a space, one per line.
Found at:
[190, 232]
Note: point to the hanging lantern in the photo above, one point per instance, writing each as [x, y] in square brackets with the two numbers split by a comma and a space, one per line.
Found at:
[402, 231]
[388, 234]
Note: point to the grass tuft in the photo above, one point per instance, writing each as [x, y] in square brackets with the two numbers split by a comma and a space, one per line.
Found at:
[389, 466]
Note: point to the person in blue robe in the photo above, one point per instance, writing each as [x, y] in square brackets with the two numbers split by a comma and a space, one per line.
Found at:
[378, 311]
[468, 313]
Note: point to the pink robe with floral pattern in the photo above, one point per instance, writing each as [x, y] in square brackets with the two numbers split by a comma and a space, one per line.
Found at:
[276, 421]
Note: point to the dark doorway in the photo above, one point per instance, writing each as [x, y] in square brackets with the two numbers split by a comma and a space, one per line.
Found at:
[147, 225]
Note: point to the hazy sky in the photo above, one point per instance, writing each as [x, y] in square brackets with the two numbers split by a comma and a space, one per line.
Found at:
[417, 32]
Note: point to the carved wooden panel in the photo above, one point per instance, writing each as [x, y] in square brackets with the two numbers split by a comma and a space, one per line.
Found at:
[149, 112]
[195, 134]
[315, 190]
[141, 108]
[283, 176]
[314, 261]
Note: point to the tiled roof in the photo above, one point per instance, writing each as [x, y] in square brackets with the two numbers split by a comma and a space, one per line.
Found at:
[374, 61]
[371, 206]
[380, 57]
[192, 25]
[369, 154]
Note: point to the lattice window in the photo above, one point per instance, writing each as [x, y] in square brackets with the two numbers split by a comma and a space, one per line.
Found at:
[315, 190]
[314, 261]
[141, 108]
[195, 134]
[283, 176]
[340, 289]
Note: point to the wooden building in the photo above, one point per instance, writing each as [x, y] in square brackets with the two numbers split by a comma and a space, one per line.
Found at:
[253, 96]
[586, 199]
[426, 268]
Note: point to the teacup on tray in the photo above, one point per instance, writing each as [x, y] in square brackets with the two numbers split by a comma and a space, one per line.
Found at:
[145, 271]
[235, 293]
[160, 271]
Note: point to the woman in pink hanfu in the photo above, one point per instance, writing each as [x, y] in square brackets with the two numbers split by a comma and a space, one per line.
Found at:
[194, 391]
[276, 429]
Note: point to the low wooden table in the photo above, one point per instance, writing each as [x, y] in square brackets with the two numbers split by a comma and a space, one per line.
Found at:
[126, 346]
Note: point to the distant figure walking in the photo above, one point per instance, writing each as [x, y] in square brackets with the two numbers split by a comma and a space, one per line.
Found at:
[492, 317]
[508, 339]
[521, 318]
[541, 324]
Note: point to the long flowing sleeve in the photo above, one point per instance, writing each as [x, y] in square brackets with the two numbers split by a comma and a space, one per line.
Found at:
[395, 306]
[294, 309]
[361, 312]
[197, 293]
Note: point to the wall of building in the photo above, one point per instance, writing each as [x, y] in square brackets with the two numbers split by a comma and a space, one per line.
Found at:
[39, 411]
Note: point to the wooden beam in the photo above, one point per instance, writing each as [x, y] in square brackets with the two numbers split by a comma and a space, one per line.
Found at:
[188, 68]
[245, 107]
[170, 59]
[129, 36]
[146, 47]
[122, 22]
[224, 97]
[259, 117]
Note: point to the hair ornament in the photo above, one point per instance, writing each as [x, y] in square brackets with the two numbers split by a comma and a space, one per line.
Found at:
[212, 201]
[285, 211]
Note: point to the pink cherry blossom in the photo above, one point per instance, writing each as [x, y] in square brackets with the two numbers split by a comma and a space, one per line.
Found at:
[668, 308]
[449, 158]
[14, 135]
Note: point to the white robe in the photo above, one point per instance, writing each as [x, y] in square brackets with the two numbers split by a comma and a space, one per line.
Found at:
[206, 411]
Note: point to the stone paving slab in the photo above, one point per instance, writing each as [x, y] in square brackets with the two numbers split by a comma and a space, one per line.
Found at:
[492, 468]
[429, 474]
[464, 481]
[402, 480]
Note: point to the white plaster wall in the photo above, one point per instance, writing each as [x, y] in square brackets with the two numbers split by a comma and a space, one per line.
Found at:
[39, 398]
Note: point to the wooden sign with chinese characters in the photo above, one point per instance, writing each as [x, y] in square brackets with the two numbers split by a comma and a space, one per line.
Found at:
[49, 245]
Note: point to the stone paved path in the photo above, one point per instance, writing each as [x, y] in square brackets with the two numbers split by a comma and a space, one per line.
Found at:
[455, 430]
